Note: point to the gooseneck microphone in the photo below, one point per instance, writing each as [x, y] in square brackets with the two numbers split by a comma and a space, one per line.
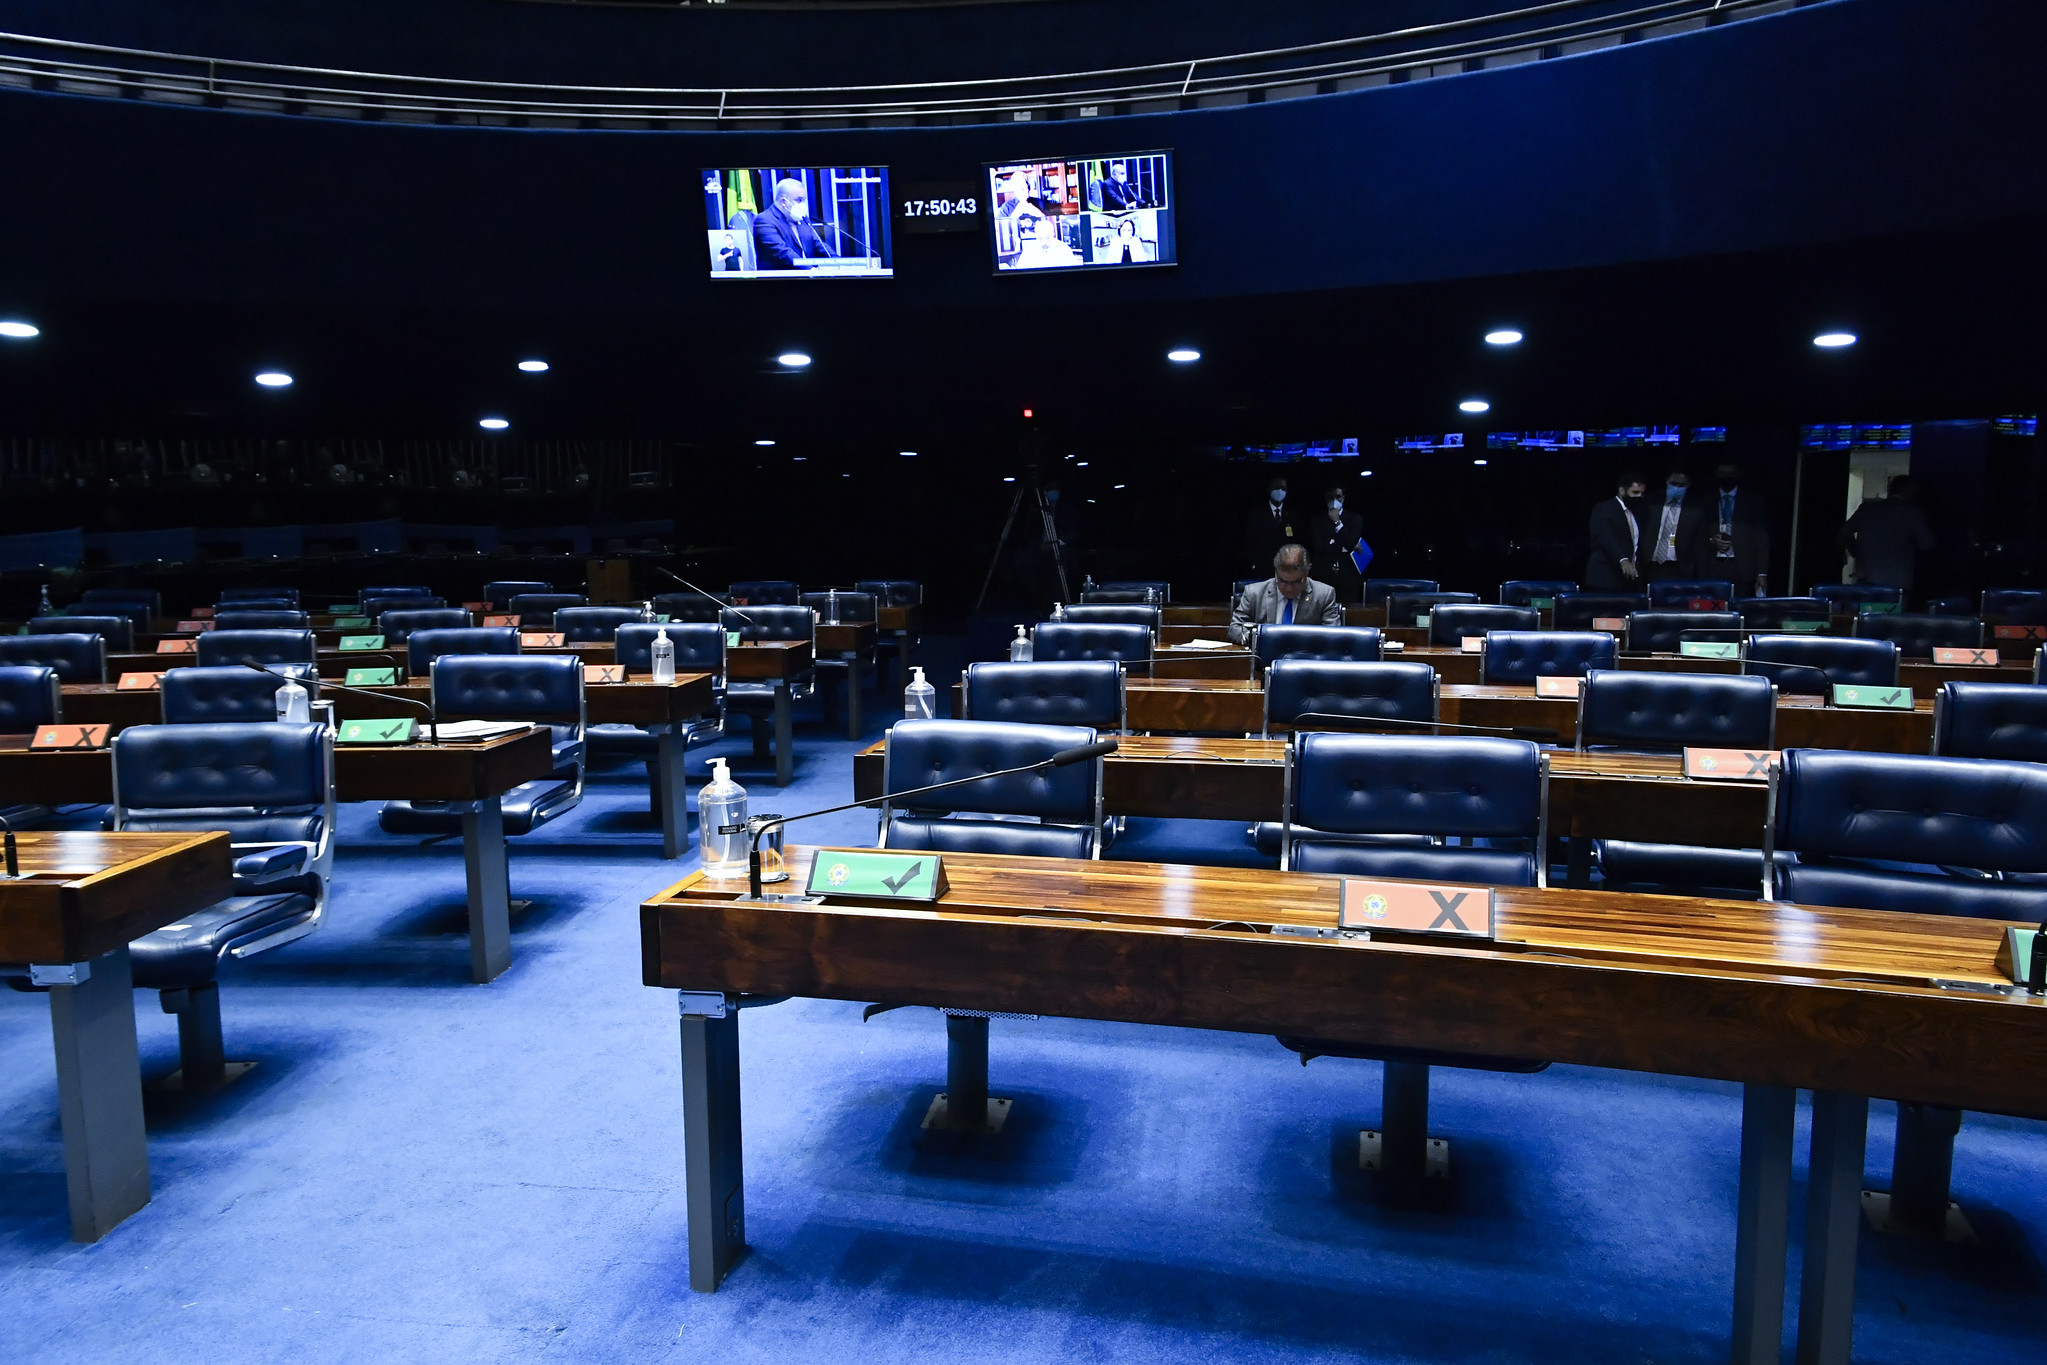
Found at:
[433, 728]
[723, 605]
[1541, 734]
[14, 866]
[757, 825]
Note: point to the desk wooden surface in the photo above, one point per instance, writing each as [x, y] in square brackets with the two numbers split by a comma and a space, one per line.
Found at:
[84, 893]
[768, 659]
[1839, 1000]
[847, 637]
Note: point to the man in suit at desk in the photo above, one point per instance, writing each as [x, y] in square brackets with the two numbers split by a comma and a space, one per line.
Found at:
[1288, 598]
[783, 235]
[1616, 533]
[1118, 194]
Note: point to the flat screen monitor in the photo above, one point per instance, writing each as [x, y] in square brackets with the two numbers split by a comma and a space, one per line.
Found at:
[1110, 212]
[798, 223]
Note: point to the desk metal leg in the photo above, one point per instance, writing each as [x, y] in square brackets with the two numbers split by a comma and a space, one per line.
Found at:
[784, 760]
[852, 699]
[1762, 1222]
[490, 891]
[669, 749]
[964, 1107]
[1826, 1297]
[1923, 1169]
[99, 1095]
[714, 1179]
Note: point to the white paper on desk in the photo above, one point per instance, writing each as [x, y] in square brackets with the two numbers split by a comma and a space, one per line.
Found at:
[480, 729]
[1207, 644]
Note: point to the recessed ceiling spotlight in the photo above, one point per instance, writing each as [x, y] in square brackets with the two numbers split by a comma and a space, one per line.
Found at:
[533, 366]
[1185, 355]
[1009, 478]
[492, 423]
[1478, 461]
[1122, 485]
[763, 442]
[1505, 336]
[907, 454]
[1833, 341]
[19, 330]
[274, 379]
[1081, 465]
[795, 360]
[1364, 473]
[1474, 405]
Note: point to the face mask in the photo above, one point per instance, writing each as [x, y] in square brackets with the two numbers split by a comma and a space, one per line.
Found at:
[1278, 496]
[1673, 492]
[1633, 500]
[1336, 509]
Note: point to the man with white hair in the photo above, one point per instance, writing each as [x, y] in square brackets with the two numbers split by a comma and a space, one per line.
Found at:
[783, 235]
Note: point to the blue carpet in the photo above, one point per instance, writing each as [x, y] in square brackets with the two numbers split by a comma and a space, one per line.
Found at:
[424, 1169]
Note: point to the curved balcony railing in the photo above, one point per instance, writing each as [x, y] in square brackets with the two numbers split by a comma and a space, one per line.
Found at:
[1532, 32]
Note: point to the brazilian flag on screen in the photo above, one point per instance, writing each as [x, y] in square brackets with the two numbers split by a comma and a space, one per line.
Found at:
[741, 194]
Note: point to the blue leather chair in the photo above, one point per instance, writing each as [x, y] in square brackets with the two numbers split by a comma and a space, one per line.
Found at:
[755, 697]
[1678, 594]
[1991, 720]
[262, 620]
[207, 696]
[1084, 692]
[853, 606]
[2015, 606]
[1402, 608]
[699, 648]
[764, 592]
[1067, 802]
[1770, 613]
[1117, 597]
[1662, 632]
[1294, 688]
[1522, 592]
[258, 604]
[1113, 615]
[30, 698]
[398, 626]
[893, 592]
[892, 643]
[271, 787]
[134, 613]
[375, 606]
[1161, 591]
[366, 595]
[147, 599]
[422, 647]
[1851, 597]
[690, 606]
[75, 658]
[1069, 641]
[1951, 606]
[593, 624]
[1578, 610]
[503, 590]
[541, 688]
[538, 608]
[117, 631]
[1643, 712]
[1347, 644]
[1516, 658]
[228, 596]
[1792, 660]
[1918, 636]
[1450, 625]
[1378, 590]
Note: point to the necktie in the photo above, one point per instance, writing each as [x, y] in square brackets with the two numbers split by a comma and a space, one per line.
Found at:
[1286, 614]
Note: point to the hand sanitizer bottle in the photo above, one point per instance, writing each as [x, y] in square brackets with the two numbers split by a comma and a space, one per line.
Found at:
[1020, 647]
[663, 652]
[920, 698]
[722, 805]
[293, 704]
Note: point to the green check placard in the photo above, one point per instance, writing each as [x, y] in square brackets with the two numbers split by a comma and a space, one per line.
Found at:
[1801, 627]
[876, 875]
[371, 677]
[376, 732]
[351, 623]
[1884, 698]
[1709, 649]
[362, 642]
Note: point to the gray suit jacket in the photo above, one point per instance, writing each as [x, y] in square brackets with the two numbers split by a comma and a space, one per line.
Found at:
[1316, 606]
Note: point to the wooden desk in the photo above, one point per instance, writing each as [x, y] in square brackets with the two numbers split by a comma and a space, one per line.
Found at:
[1208, 616]
[1178, 661]
[1776, 997]
[81, 898]
[779, 662]
[846, 645]
[903, 621]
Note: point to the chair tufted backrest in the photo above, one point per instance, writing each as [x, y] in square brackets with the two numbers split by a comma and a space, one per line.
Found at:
[1661, 632]
[893, 592]
[853, 606]
[259, 604]
[1578, 610]
[218, 647]
[772, 621]
[422, 647]
[538, 608]
[1438, 785]
[1350, 644]
[1159, 588]
[76, 658]
[1873, 663]
[134, 613]
[196, 696]
[1768, 613]
[2015, 606]
[1451, 624]
[1671, 710]
[398, 626]
[145, 599]
[261, 620]
[1991, 720]
[593, 623]
[1071, 641]
[1522, 592]
[1113, 614]
[1918, 636]
[765, 592]
[1849, 595]
[689, 606]
[230, 595]
[365, 595]
[504, 590]
[117, 631]
[1516, 658]
[1966, 812]
[921, 752]
[264, 765]
[529, 687]
[1403, 607]
[1116, 597]
[1677, 594]
[1300, 687]
[30, 696]
[1084, 692]
[1379, 589]
[699, 646]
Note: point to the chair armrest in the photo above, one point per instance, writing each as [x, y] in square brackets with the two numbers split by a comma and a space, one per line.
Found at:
[269, 865]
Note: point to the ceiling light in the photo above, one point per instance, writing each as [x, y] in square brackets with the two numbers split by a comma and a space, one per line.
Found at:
[1122, 485]
[1186, 355]
[795, 360]
[1834, 340]
[1506, 336]
[907, 454]
[1478, 461]
[1081, 465]
[19, 330]
[1474, 405]
[1009, 478]
[764, 442]
[492, 423]
[274, 379]
[797, 459]
[533, 366]
[1364, 473]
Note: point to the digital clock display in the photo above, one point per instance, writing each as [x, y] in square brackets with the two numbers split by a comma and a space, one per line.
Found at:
[945, 206]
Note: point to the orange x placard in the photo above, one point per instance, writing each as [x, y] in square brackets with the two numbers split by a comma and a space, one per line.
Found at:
[70, 737]
[603, 673]
[139, 682]
[2020, 632]
[1613, 623]
[178, 646]
[1416, 907]
[1559, 687]
[537, 639]
[1730, 765]
[502, 621]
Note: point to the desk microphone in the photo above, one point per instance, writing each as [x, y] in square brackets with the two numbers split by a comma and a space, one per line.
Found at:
[723, 605]
[1541, 734]
[2036, 974]
[433, 728]
[14, 869]
[757, 825]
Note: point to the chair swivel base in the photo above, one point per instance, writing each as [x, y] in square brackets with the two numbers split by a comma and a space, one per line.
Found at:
[1954, 1229]
[174, 1084]
[939, 1117]
[1435, 1164]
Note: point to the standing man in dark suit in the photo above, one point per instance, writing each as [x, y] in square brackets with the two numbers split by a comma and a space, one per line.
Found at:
[783, 235]
[1269, 527]
[1331, 537]
[1739, 546]
[1616, 533]
[1675, 545]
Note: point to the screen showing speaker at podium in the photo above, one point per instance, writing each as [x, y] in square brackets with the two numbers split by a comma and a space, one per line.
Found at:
[1075, 215]
[791, 223]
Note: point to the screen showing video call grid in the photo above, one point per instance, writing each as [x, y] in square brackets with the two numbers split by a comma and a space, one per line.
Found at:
[1106, 213]
[802, 222]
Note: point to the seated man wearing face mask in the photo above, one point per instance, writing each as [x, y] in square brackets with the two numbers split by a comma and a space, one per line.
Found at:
[1616, 533]
[1288, 598]
[1331, 539]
